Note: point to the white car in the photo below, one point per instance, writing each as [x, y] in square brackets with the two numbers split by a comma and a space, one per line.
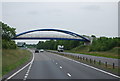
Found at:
[41, 50]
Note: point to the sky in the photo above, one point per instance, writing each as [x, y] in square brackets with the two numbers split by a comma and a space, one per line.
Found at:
[84, 18]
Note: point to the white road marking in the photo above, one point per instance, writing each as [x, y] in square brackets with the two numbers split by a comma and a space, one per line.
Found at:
[90, 66]
[25, 78]
[26, 74]
[17, 72]
[28, 71]
[69, 74]
[56, 63]
[61, 67]
[21, 68]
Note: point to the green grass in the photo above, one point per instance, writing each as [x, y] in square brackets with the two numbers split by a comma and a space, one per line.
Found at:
[13, 58]
[114, 53]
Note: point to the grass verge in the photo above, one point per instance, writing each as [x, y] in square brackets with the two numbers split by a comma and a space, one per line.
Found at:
[13, 58]
[113, 53]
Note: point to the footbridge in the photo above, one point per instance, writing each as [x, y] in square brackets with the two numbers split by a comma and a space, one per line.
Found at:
[54, 34]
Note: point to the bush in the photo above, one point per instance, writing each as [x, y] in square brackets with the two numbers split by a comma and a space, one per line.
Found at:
[8, 44]
[104, 44]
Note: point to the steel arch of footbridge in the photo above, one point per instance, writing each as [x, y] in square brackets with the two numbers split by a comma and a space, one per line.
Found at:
[57, 30]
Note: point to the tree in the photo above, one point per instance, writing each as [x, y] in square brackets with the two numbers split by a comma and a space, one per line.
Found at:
[104, 44]
[7, 34]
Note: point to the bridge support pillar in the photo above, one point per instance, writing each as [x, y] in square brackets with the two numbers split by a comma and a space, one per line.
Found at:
[87, 43]
[91, 40]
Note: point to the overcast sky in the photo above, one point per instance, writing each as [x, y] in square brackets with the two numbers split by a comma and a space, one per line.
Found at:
[84, 18]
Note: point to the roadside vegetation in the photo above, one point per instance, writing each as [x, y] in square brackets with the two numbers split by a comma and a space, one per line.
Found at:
[12, 56]
[102, 46]
[113, 53]
[7, 33]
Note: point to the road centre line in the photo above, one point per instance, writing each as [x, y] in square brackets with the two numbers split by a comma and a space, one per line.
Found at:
[61, 67]
[25, 78]
[90, 66]
[27, 71]
[69, 74]
[26, 74]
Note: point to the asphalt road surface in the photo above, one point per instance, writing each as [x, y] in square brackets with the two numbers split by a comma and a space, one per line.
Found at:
[51, 66]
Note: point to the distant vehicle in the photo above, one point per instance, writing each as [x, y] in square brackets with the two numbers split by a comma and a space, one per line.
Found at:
[21, 45]
[36, 51]
[60, 48]
[41, 50]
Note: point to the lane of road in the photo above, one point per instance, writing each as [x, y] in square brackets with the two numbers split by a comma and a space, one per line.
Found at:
[97, 58]
[51, 66]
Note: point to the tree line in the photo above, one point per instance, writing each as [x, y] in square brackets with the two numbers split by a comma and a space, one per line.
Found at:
[105, 43]
[52, 44]
[98, 44]
[7, 33]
